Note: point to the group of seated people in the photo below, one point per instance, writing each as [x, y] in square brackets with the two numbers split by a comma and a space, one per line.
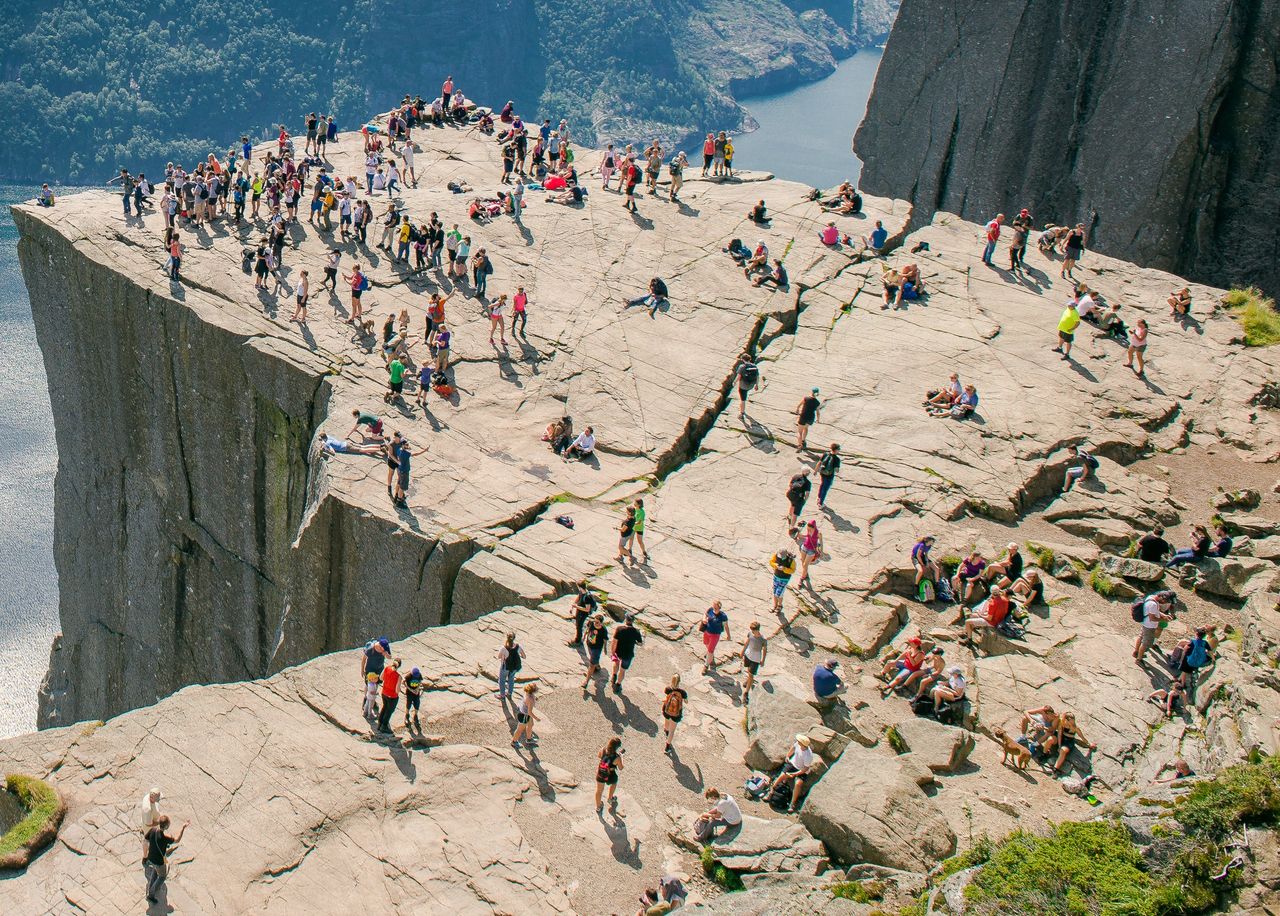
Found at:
[846, 200]
[951, 400]
[755, 264]
[1202, 546]
[1046, 733]
[928, 672]
[976, 582]
[899, 284]
[560, 439]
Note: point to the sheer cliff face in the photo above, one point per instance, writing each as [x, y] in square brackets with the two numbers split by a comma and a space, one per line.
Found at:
[193, 541]
[1153, 123]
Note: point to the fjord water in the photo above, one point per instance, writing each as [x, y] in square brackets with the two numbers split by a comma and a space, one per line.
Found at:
[806, 133]
[28, 459]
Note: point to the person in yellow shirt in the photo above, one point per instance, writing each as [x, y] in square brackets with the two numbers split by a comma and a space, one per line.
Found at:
[1067, 325]
[728, 157]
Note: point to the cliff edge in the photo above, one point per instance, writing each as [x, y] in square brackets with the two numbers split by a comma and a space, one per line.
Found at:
[1154, 124]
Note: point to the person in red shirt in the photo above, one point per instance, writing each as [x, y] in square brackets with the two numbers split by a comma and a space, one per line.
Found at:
[991, 613]
[390, 695]
[993, 236]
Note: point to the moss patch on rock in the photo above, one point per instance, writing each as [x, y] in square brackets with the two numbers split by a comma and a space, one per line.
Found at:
[45, 810]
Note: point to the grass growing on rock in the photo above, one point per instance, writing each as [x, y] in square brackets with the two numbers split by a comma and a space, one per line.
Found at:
[41, 804]
[895, 740]
[869, 891]
[1102, 583]
[1257, 315]
[722, 876]
[1044, 556]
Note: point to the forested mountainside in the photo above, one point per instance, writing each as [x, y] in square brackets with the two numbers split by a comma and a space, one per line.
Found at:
[96, 84]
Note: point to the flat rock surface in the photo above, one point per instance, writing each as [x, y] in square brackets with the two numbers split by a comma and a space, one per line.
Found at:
[280, 777]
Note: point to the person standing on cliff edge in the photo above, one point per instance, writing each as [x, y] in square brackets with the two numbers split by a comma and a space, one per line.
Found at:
[993, 236]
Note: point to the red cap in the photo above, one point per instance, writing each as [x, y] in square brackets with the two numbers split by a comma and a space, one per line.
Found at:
[914, 640]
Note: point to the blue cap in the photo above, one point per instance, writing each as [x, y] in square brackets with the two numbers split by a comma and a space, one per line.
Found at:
[415, 673]
[384, 642]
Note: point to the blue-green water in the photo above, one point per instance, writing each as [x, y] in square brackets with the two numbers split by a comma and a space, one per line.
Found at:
[806, 133]
[28, 459]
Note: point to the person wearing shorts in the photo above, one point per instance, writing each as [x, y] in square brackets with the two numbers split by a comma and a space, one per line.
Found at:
[412, 687]
[596, 636]
[754, 650]
[625, 640]
[607, 772]
[673, 702]
[714, 625]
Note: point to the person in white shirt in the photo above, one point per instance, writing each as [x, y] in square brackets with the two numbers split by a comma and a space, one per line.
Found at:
[150, 808]
[1085, 304]
[583, 446]
[407, 155]
[798, 764]
[724, 813]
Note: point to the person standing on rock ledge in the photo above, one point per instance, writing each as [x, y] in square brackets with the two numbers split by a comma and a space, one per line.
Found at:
[390, 696]
[156, 863]
[797, 494]
[807, 413]
[993, 236]
[715, 624]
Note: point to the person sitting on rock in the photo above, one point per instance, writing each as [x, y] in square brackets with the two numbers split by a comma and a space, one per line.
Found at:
[1064, 739]
[583, 447]
[776, 278]
[654, 299]
[875, 242]
[1086, 305]
[950, 691]
[891, 292]
[1180, 303]
[1008, 568]
[46, 196]
[759, 259]
[912, 282]
[1111, 325]
[1168, 698]
[905, 667]
[947, 395]
[795, 770]
[724, 812]
[935, 664]
[738, 251]
[830, 235]
[963, 407]
[1027, 591]
[1199, 549]
[989, 614]
[925, 566]
[1222, 546]
[966, 581]
[1181, 770]
[1080, 464]
[827, 685]
[759, 213]
[1041, 721]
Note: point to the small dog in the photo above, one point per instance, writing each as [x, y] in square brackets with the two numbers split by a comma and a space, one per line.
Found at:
[1021, 756]
[365, 327]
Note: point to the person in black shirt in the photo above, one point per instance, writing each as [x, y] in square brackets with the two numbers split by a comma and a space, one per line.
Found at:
[1006, 571]
[597, 636]
[806, 415]
[797, 494]
[583, 607]
[828, 464]
[155, 864]
[1153, 547]
[625, 640]
[1200, 545]
[1222, 546]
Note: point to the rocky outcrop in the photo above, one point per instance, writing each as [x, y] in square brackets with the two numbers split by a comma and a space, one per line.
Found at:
[1153, 124]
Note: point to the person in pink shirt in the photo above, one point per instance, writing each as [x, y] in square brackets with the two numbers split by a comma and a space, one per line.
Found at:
[519, 311]
[829, 235]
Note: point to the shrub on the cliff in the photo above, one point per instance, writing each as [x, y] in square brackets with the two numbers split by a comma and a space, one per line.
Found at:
[1257, 315]
[1044, 556]
[35, 831]
[1101, 583]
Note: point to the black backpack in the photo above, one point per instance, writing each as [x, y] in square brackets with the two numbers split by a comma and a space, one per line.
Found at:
[513, 661]
[749, 376]
[1136, 609]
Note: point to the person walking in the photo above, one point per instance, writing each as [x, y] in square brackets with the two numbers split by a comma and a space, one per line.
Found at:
[715, 624]
[747, 376]
[783, 564]
[807, 412]
[637, 533]
[1156, 610]
[155, 865]
[1136, 356]
[828, 465]
[797, 495]
[510, 661]
[584, 605]
[519, 312]
[623, 650]
[390, 696]
[607, 772]
[1018, 243]
[596, 635]
[810, 550]
[673, 701]
[626, 530]
[525, 717]
[993, 236]
[755, 648]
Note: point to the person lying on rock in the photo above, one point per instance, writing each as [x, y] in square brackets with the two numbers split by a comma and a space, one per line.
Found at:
[967, 580]
[331, 445]
[1200, 547]
[724, 812]
[1064, 739]
[903, 668]
[795, 770]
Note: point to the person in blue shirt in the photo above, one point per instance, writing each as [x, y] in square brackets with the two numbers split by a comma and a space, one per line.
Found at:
[827, 685]
[714, 625]
[875, 241]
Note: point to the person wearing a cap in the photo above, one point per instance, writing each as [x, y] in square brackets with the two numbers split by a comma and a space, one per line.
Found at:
[807, 412]
[903, 667]
[827, 685]
[796, 768]
[1067, 325]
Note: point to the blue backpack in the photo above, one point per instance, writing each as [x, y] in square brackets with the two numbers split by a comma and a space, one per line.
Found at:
[1198, 655]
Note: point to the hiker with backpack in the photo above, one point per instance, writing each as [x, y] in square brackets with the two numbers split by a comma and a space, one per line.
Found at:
[1196, 657]
[607, 772]
[359, 283]
[827, 467]
[797, 495]
[783, 564]
[674, 698]
[1080, 464]
[510, 661]
[747, 376]
[1151, 611]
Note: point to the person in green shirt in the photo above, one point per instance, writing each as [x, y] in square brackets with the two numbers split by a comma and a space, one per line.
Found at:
[637, 533]
[1066, 329]
[372, 421]
[396, 371]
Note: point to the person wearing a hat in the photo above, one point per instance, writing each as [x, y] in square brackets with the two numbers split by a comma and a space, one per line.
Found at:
[807, 412]
[1067, 325]
[796, 768]
[373, 658]
[411, 687]
[827, 685]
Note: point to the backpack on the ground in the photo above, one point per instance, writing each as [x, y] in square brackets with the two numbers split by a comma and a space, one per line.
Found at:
[1136, 610]
[755, 786]
[673, 705]
[1011, 629]
[944, 591]
[925, 591]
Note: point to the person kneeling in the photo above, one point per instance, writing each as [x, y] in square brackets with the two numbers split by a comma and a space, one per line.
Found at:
[724, 812]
